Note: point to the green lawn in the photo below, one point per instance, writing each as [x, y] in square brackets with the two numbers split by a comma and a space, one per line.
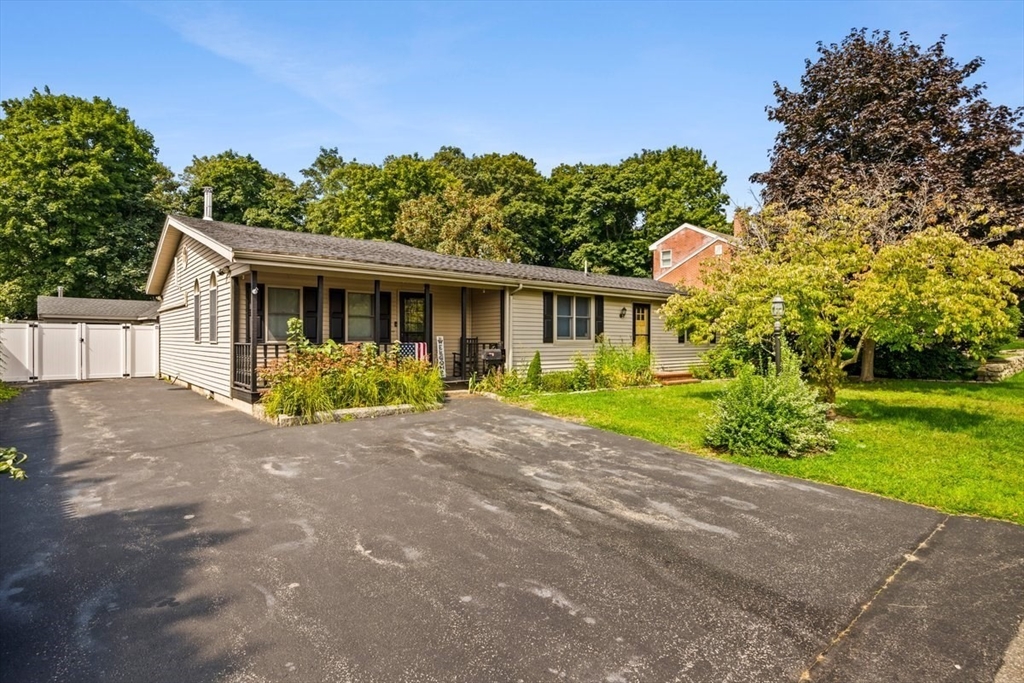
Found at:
[958, 447]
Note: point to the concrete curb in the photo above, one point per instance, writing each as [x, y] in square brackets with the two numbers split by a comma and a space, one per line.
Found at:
[346, 414]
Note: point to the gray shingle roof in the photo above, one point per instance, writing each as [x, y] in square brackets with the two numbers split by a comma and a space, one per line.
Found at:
[95, 309]
[244, 238]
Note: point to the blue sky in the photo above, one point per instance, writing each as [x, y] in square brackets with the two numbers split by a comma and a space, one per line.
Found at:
[560, 83]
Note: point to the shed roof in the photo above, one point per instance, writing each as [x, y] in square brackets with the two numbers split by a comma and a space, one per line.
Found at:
[75, 308]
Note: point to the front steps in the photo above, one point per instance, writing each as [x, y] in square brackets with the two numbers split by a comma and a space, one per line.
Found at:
[669, 379]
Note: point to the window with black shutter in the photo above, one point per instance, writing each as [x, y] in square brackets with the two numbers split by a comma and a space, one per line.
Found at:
[598, 316]
[549, 317]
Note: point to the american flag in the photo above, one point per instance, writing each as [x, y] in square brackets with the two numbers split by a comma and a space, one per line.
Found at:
[417, 350]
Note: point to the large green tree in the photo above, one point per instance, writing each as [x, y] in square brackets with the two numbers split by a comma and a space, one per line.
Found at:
[353, 199]
[459, 223]
[523, 195]
[80, 204]
[840, 290]
[901, 121]
[244, 191]
[607, 215]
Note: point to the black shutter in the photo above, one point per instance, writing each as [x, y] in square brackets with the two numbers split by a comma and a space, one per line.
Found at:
[549, 317]
[309, 311]
[336, 309]
[598, 316]
[261, 296]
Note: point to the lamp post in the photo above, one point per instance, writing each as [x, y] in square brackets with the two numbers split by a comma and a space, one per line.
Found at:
[778, 308]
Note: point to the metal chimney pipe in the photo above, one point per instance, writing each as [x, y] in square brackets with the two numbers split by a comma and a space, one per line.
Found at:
[207, 203]
[60, 291]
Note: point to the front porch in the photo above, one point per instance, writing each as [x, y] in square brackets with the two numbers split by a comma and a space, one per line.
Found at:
[461, 329]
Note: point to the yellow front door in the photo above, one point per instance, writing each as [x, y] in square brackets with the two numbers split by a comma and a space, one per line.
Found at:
[641, 326]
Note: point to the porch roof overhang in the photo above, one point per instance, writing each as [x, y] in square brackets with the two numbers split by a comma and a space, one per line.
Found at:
[257, 261]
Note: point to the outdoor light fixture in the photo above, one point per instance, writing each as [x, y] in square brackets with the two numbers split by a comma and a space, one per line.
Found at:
[622, 313]
[778, 308]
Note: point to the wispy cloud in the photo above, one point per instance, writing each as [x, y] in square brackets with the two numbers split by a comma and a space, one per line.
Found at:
[360, 91]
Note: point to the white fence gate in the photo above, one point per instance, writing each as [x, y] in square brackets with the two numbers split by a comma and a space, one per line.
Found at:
[31, 352]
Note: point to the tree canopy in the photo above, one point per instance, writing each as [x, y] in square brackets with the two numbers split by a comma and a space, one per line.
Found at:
[243, 192]
[81, 204]
[901, 120]
[607, 215]
[839, 290]
[458, 223]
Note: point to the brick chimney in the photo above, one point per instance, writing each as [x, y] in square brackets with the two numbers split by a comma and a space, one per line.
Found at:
[739, 225]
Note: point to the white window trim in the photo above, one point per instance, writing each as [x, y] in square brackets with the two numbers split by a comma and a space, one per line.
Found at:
[719, 249]
[348, 313]
[664, 253]
[266, 314]
[573, 317]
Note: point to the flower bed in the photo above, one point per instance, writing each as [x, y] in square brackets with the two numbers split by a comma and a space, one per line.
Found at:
[321, 379]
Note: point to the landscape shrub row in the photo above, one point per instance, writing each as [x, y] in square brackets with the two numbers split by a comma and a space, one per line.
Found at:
[332, 376]
[611, 367]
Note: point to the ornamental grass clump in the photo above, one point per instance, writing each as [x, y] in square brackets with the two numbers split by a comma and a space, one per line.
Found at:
[770, 415]
[314, 379]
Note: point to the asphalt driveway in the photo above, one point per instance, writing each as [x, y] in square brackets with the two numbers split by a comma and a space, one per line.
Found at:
[163, 537]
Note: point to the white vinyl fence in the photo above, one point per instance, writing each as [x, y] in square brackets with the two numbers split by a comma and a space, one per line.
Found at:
[31, 351]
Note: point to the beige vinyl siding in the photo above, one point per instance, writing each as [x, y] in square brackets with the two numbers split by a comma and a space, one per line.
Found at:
[668, 353]
[204, 364]
[528, 335]
[486, 315]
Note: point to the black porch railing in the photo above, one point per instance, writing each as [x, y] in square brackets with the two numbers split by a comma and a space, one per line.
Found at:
[242, 375]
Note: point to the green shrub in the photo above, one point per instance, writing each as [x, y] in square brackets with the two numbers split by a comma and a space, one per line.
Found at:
[580, 377]
[10, 461]
[510, 384]
[331, 376]
[942, 361]
[765, 414]
[618, 366]
[7, 392]
[612, 367]
[533, 373]
[557, 382]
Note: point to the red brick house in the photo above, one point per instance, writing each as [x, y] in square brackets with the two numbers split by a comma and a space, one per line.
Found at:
[678, 256]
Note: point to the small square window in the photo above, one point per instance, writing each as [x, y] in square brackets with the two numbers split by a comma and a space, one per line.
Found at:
[666, 258]
[718, 250]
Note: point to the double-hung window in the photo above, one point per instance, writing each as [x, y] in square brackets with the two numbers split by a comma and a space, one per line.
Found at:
[282, 306]
[573, 317]
[360, 317]
[666, 258]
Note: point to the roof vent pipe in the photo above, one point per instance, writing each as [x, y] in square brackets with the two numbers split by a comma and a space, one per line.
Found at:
[586, 267]
[60, 291]
[207, 203]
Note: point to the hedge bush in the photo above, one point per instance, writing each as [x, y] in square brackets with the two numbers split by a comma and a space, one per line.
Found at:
[769, 414]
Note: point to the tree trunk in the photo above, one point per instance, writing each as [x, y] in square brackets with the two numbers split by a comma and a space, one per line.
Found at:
[867, 361]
